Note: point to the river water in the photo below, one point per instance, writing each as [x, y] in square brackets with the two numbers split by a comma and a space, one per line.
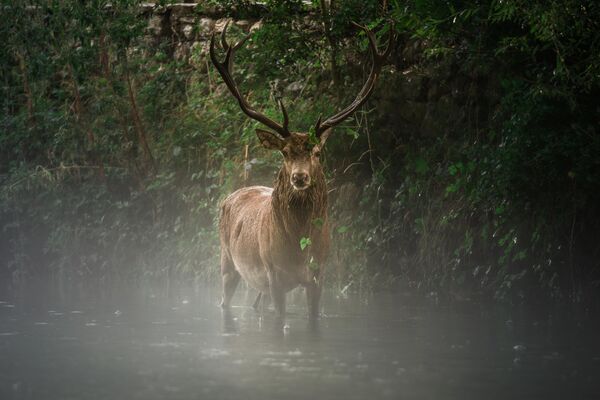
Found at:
[154, 343]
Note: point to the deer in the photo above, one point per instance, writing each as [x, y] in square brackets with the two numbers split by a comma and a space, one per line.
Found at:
[277, 238]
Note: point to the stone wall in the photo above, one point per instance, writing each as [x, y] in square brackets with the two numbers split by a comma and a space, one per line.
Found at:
[184, 27]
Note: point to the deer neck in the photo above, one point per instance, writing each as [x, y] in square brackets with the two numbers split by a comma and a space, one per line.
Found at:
[296, 212]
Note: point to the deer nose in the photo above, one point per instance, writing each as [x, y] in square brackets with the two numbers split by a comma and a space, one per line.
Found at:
[300, 179]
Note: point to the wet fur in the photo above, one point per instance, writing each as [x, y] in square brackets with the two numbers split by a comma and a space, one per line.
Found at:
[260, 231]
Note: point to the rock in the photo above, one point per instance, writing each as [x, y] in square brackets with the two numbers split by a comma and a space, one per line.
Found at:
[179, 10]
[206, 26]
[188, 31]
[187, 20]
[208, 8]
[156, 25]
[256, 25]
[149, 8]
[200, 48]
[243, 25]
[182, 52]
[220, 24]
[198, 55]
[294, 87]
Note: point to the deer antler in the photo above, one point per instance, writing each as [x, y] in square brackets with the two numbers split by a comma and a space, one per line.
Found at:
[226, 71]
[378, 61]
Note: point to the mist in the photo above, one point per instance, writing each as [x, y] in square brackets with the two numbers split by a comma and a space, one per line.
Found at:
[290, 200]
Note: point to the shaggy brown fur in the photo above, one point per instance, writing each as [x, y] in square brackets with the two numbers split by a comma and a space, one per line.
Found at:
[261, 229]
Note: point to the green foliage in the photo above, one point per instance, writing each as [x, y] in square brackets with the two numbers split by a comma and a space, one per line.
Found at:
[474, 170]
[305, 242]
[318, 222]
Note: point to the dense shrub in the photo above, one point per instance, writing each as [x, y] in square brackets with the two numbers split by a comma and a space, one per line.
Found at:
[472, 169]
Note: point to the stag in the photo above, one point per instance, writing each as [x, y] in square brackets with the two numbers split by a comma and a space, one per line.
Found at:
[261, 228]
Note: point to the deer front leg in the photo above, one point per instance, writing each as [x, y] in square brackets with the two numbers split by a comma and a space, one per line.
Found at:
[313, 297]
[231, 278]
[277, 296]
[230, 282]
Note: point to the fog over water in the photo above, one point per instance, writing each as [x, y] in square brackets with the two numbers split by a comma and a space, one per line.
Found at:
[154, 343]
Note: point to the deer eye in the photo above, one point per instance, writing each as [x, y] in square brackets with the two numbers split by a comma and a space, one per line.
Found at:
[317, 153]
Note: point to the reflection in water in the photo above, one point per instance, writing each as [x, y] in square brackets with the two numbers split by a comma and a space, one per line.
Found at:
[229, 325]
[147, 344]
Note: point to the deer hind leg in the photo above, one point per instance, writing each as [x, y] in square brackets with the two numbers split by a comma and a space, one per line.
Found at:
[278, 297]
[231, 278]
[261, 304]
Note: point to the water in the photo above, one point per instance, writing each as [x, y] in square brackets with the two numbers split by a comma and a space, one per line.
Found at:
[156, 344]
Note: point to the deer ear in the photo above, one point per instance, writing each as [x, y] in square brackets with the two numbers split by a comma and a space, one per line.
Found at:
[324, 136]
[269, 140]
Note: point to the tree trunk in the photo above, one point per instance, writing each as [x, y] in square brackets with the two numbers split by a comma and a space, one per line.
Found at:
[132, 165]
[26, 89]
[137, 120]
[103, 57]
[326, 14]
[78, 110]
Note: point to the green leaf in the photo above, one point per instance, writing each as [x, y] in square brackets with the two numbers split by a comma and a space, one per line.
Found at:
[318, 222]
[353, 133]
[312, 136]
[343, 229]
[421, 166]
[453, 188]
[305, 242]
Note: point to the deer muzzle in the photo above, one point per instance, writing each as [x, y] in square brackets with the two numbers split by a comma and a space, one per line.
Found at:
[300, 180]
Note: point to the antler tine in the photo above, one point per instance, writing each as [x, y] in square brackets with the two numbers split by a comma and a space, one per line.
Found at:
[230, 52]
[224, 43]
[378, 60]
[225, 69]
[318, 125]
[373, 43]
[286, 120]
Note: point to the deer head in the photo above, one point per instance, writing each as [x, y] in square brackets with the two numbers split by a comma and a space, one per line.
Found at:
[301, 158]
[301, 151]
